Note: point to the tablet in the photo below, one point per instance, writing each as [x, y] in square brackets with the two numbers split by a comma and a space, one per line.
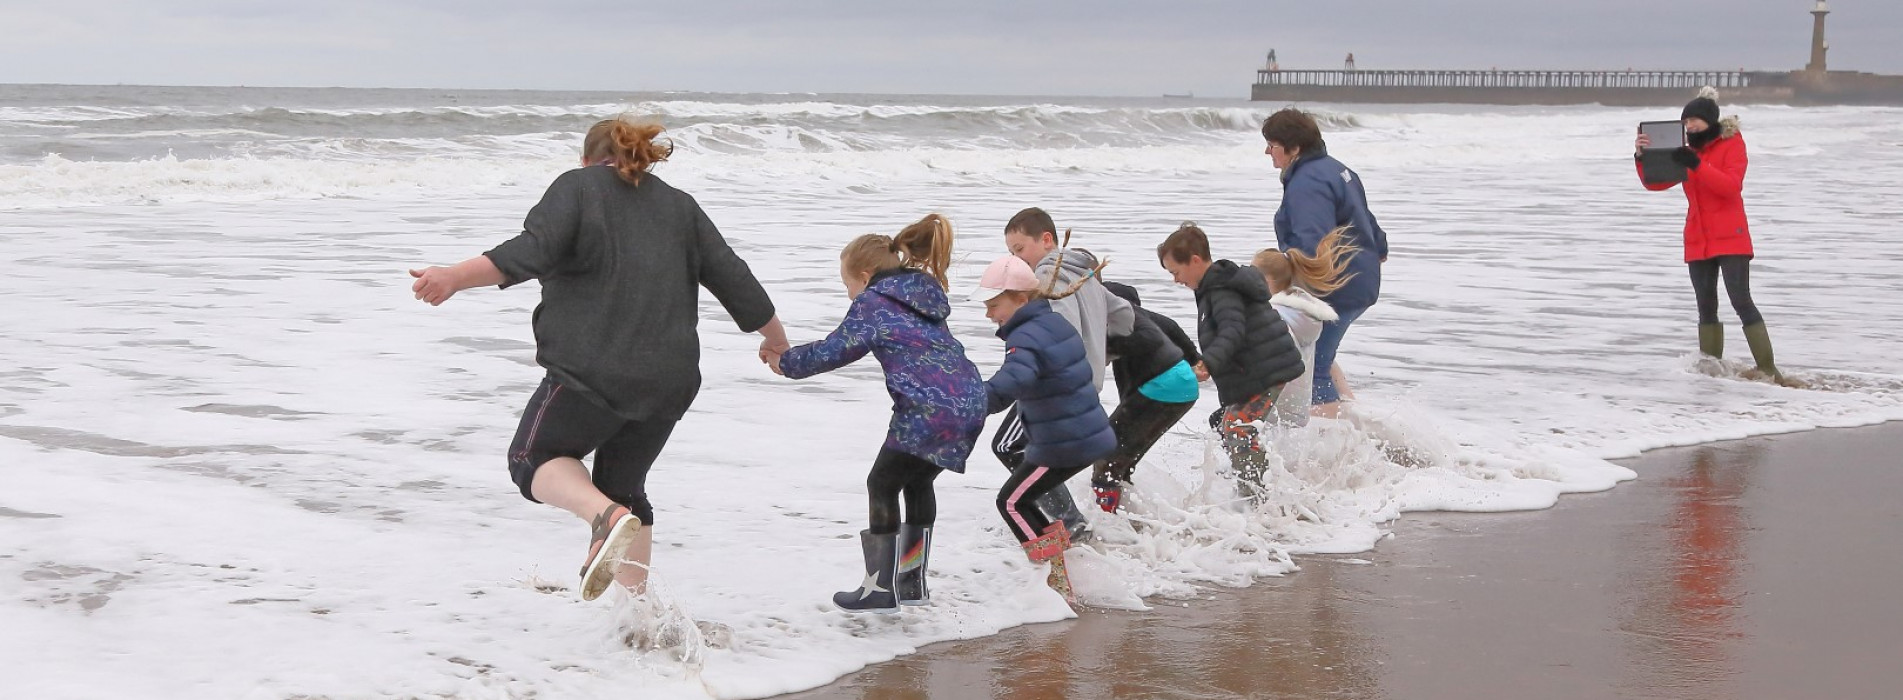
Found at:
[1665, 135]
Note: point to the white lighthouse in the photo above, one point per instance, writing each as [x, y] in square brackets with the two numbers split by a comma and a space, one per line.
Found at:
[1817, 44]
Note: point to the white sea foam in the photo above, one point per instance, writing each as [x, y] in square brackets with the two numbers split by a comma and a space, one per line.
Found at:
[276, 474]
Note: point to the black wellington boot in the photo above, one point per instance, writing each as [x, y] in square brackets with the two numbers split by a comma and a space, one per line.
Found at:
[915, 553]
[874, 594]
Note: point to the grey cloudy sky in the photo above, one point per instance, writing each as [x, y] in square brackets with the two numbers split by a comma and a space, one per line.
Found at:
[1052, 47]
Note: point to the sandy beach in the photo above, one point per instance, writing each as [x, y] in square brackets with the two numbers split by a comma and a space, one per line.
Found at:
[1746, 569]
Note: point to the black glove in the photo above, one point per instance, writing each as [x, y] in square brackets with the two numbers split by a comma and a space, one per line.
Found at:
[1686, 157]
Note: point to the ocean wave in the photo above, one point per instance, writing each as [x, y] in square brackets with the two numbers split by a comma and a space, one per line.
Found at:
[403, 168]
[813, 126]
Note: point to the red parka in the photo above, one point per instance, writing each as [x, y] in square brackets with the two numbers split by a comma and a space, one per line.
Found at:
[1715, 225]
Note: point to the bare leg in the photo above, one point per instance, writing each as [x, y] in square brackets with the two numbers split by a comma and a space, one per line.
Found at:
[564, 483]
[1333, 408]
[640, 551]
[1341, 382]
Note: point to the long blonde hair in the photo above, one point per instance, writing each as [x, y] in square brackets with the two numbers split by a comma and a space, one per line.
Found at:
[926, 245]
[1321, 274]
[628, 145]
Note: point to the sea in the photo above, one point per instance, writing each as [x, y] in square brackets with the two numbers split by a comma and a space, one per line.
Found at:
[242, 461]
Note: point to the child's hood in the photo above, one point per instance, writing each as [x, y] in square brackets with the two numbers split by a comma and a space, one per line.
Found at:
[1076, 264]
[1300, 300]
[1243, 280]
[914, 290]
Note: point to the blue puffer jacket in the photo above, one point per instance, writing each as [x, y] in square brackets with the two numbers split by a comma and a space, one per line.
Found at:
[937, 394]
[1319, 194]
[1047, 373]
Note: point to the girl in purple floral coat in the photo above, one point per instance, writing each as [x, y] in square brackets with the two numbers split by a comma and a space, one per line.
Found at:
[897, 285]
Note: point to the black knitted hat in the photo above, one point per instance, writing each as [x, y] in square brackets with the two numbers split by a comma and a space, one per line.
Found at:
[1705, 107]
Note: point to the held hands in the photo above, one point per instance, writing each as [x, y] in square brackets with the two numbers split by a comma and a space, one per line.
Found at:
[1202, 372]
[1686, 157]
[772, 359]
[773, 344]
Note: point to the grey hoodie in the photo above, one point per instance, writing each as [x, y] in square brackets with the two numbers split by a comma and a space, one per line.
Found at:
[1093, 310]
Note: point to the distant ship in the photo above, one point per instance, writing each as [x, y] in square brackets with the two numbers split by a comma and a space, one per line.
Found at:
[1815, 84]
[1184, 96]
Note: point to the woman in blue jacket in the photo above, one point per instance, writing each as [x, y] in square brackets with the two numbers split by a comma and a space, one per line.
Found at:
[1320, 194]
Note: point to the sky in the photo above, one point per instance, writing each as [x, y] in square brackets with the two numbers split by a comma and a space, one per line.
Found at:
[1005, 47]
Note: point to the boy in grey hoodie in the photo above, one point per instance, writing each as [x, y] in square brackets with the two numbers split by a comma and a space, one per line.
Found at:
[1097, 314]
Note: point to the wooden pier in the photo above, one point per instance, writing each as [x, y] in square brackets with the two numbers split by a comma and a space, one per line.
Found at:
[1516, 79]
[1528, 87]
[1627, 88]
[1815, 84]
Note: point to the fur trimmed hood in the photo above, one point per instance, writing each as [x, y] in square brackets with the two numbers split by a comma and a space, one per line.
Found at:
[1727, 126]
[1300, 300]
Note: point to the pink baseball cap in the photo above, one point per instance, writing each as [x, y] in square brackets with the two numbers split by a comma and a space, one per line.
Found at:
[1006, 274]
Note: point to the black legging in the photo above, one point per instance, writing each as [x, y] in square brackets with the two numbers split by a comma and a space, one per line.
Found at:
[1139, 422]
[1737, 274]
[1017, 498]
[896, 472]
[1008, 444]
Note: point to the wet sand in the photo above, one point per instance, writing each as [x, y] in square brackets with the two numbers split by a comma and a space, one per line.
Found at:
[1761, 568]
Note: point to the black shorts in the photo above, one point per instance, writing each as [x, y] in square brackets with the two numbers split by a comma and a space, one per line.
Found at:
[561, 422]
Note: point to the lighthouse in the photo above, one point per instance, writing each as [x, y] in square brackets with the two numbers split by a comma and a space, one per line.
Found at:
[1817, 44]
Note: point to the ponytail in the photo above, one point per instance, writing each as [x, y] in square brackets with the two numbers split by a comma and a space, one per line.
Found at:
[1050, 287]
[627, 145]
[925, 246]
[1321, 274]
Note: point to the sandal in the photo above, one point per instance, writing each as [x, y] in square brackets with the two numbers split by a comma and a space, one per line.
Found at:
[614, 530]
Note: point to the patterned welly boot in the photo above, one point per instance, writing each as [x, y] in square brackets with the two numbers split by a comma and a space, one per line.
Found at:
[1049, 547]
[915, 553]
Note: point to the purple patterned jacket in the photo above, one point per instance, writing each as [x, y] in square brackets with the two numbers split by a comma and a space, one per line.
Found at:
[938, 398]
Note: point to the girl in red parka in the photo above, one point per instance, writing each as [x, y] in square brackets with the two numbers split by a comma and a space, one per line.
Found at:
[1717, 237]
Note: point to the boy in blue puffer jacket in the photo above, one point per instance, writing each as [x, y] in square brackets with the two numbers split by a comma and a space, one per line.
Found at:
[1047, 373]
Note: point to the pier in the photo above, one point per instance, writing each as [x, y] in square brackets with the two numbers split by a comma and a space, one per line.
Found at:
[1530, 87]
[1815, 84]
[1536, 79]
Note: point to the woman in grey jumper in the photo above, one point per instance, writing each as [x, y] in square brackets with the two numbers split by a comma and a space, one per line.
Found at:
[621, 256]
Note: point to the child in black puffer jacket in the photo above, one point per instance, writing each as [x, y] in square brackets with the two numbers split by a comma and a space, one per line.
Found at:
[1157, 385]
[1247, 349]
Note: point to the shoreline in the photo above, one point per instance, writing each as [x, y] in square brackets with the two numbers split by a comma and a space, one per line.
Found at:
[1699, 579]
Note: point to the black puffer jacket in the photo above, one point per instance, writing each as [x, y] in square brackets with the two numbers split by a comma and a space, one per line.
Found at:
[1154, 345]
[1246, 346]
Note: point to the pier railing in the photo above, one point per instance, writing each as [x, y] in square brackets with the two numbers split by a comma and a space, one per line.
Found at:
[1685, 80]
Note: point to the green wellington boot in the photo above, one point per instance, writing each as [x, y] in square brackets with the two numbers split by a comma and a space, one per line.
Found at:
[1760, 341]
[1711, 339]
